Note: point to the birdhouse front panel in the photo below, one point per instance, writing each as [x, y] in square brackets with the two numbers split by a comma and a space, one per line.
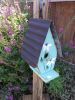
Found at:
[48, 54]
[39, 49]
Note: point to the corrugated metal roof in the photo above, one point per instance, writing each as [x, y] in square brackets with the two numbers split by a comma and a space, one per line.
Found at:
[33, 41]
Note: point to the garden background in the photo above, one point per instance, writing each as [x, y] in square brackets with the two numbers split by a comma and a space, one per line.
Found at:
[15, 74]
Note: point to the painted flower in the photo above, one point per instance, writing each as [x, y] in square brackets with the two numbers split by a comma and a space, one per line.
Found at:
[46, 47]
[7, 49]
[51, 62]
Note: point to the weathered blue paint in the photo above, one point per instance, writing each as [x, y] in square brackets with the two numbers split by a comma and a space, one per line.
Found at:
[46, 62]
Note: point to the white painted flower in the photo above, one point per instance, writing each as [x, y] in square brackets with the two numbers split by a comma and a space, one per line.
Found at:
[47, 47]
[51, 63]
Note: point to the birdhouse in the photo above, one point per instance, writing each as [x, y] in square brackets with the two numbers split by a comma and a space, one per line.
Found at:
[39, 49]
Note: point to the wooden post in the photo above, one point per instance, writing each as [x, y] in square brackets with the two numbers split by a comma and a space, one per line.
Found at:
[37, 88]
[45, 9]
[36, 9]
[37, 82]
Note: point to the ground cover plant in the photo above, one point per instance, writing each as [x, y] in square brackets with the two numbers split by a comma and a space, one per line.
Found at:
[63, 87]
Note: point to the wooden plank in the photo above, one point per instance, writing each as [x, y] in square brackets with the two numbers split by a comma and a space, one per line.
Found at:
[29, 97]
[36, 9]
[37, 87]
[52, 11]
[45, 9]
[63, 19]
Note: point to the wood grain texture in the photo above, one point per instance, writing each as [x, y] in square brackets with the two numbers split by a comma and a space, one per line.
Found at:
[36, 9]
[62, 14]
[45, 9]
[37, 87]
[29, 97]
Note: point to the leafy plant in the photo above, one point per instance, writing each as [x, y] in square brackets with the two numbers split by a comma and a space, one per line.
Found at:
[67, 48]
[14, 72]
[56, 86]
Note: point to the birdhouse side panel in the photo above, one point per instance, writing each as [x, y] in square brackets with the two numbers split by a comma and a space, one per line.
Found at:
[48, 54]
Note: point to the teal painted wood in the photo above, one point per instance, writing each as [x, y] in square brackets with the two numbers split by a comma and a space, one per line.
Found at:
[47, 59]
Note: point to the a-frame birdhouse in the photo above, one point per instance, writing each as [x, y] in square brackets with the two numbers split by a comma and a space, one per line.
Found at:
[39, 49]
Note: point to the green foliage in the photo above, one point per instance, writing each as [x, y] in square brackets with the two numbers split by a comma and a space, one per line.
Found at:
[13, 70]
[55, 86]
[63, 87]
[68, 49]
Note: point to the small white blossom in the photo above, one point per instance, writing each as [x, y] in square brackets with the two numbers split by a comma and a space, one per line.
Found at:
[49, 63]
[47, 47]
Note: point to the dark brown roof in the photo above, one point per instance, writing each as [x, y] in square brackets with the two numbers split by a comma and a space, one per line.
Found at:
[34, 40]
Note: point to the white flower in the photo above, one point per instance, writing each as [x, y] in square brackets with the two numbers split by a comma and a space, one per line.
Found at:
[51, 63]
[47, 47]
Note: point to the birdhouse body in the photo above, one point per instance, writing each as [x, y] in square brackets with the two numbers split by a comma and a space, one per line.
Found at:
[48, 53]
[47, 60]
[39, 49]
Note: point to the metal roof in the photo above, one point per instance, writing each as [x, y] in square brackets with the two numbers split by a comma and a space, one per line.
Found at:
[33, 41]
